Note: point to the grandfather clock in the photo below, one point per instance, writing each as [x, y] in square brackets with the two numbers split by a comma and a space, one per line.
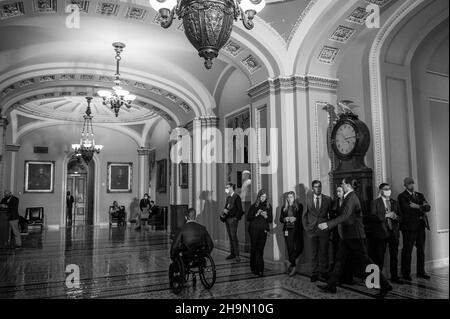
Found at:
[349, 141]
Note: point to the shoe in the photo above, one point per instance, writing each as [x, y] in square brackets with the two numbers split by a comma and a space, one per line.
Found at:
[325, 276]
[397, 281]
[293, 272]
[289, 269]
[327, 288]
[407, 278]
[230, 257]
[383, 292]
[314, 278]
[260, 275]
[238, 259]
[423, 276]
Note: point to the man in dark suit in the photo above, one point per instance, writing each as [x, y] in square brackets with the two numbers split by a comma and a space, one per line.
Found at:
[69, 206]
[318, 208]
[231, 215]
[144, 211]
[384, 219]
[414, 207]
[11, 203]
[351, 230]
[190, 236]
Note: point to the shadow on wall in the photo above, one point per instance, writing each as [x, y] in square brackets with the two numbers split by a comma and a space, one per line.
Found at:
[134, 206]
[209, 216]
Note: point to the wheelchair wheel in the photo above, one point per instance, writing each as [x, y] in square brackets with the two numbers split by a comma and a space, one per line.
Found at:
[207, 272]
[176, 276]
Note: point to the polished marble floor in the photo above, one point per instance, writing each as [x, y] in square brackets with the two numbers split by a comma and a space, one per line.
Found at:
[122, 263]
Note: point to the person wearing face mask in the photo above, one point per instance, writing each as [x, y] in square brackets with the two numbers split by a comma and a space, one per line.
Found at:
[384, 218]
[351, 230]
[259, 217]
[231, 215]
[11, 204]
[414, 224]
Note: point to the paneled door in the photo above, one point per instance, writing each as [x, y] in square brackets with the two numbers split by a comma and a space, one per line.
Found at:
[77, 185]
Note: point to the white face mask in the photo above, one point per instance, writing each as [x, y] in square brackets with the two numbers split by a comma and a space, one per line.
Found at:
[387, 194]
[227, 190]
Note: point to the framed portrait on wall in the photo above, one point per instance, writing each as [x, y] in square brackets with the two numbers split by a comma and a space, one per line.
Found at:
[161, 176]
[184, 173]
[119, 177]
[39, 176]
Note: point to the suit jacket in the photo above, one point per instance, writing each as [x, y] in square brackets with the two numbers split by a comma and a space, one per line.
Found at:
[378, 222]
[259, 222]
[413, 218]
[297, 213]
[13, 207]
[350, 221]
[144, 203]
[234, 206]
[189, 237]
[70, 201]
[313, 217]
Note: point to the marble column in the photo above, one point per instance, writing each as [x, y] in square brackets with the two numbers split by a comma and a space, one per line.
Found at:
[204, 175]
[293, 107]
[14, 149]
[3, 125]
[143, 154]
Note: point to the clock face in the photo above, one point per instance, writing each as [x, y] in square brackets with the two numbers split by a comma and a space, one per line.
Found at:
[345, 140]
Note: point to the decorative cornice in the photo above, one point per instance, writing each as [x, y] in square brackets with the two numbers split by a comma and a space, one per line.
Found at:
[67, 79]
[292, 83]
[206, 121]
[12, 148]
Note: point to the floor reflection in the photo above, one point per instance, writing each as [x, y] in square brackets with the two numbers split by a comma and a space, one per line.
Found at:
[122, 263]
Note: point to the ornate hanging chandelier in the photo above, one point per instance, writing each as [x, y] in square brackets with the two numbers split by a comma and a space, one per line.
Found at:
[118, 97]
[87, 147]
[208, 23]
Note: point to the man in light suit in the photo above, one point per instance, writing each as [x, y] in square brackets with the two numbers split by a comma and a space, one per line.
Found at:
[351, 230]
[414, 207]
[384, 218]
[318, 209]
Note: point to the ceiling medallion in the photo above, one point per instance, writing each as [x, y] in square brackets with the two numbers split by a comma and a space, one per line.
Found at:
[208, 23]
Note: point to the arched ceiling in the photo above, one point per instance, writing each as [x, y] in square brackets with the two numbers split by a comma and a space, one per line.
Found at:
[46, 60]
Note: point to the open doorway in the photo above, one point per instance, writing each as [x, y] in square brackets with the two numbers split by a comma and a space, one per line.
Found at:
[80, 184]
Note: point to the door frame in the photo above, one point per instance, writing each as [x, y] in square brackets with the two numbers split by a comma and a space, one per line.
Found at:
[96, 189]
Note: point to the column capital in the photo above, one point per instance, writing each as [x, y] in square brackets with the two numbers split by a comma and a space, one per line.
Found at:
[12, 148]
[143, 151]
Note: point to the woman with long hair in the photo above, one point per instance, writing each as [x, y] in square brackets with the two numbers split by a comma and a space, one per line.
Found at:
[291, 218]
[260, 217]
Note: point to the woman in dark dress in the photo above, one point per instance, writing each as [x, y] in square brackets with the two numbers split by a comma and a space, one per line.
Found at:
[260, 217]
[291, 218]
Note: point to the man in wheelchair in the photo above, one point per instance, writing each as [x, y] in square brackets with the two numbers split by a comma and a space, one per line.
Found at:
[191, 237]
[190, 254]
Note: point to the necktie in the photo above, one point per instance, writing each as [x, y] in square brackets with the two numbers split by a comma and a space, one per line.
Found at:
[388, 209]
[317, 203]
